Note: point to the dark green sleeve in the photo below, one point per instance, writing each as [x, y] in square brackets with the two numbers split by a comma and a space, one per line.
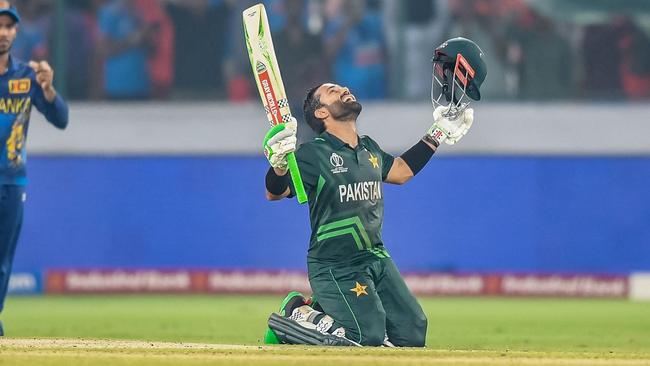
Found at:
[307, 164]
[386, 163]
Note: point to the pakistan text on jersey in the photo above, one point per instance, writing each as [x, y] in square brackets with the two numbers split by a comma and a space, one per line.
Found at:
[360, 191]
[15, 105]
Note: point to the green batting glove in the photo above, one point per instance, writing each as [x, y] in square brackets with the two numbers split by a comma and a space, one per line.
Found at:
[280, 141]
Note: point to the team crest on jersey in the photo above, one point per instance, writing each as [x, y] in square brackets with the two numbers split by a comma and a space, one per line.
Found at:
[337, 162]
[19, 86]
[373, 160]
[359, 289]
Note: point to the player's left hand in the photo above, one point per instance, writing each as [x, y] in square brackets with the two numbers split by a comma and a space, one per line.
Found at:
[44, 75]
[280, 141]
[449, 131]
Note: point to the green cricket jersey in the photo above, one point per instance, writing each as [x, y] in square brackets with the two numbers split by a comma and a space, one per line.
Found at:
[346, 200]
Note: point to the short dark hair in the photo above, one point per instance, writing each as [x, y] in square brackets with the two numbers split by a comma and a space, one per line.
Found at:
[311, 104]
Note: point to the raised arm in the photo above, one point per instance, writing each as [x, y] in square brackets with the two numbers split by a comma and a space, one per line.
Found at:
[46, 99]
[277, 180]
[413, 160]
[417, 156]
[278, 142]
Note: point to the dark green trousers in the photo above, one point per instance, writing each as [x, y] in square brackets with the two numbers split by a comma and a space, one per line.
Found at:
[370, 300]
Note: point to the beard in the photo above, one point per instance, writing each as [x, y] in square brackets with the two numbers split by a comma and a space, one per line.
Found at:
[341, 111]
[4, 49]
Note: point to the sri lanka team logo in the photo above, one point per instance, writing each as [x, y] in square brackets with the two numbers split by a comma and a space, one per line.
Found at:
[19, 86]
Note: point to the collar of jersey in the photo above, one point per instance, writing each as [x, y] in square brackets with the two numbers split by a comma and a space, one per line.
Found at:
[11, 66]
[337, 143]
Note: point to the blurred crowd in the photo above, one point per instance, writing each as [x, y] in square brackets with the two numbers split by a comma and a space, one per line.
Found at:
[194, 49]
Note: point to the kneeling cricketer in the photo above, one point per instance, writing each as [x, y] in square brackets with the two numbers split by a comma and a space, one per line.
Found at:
[359, 296]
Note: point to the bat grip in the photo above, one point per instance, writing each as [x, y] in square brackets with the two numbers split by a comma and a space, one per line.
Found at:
[296, 179]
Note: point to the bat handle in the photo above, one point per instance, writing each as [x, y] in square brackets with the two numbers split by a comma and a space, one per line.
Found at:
[295, 177]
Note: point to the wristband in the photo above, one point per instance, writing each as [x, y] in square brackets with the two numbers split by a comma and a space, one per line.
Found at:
[418, 156]
[435, 138]
[276, 184]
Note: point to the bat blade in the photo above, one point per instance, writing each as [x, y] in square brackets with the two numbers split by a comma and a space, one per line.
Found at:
[268, 79]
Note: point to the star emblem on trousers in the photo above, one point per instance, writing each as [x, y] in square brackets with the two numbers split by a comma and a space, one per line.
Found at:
[374, 161]
[359, 289]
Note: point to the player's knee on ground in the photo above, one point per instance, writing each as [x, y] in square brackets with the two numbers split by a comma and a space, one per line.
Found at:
[371, 335]
[419, 336]
[373, 339]
[414, 332]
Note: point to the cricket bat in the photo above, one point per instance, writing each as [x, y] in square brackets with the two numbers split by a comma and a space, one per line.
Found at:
[269, 81]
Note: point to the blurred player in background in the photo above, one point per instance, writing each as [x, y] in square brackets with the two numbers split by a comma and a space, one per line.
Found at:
[21, 85]
[308, 69]
[359, 295]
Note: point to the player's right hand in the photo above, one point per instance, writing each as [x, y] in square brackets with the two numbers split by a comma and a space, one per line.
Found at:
[44, 73]
[280, 141]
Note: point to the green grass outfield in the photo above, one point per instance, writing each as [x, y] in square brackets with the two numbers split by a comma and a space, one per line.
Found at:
[195, 330]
